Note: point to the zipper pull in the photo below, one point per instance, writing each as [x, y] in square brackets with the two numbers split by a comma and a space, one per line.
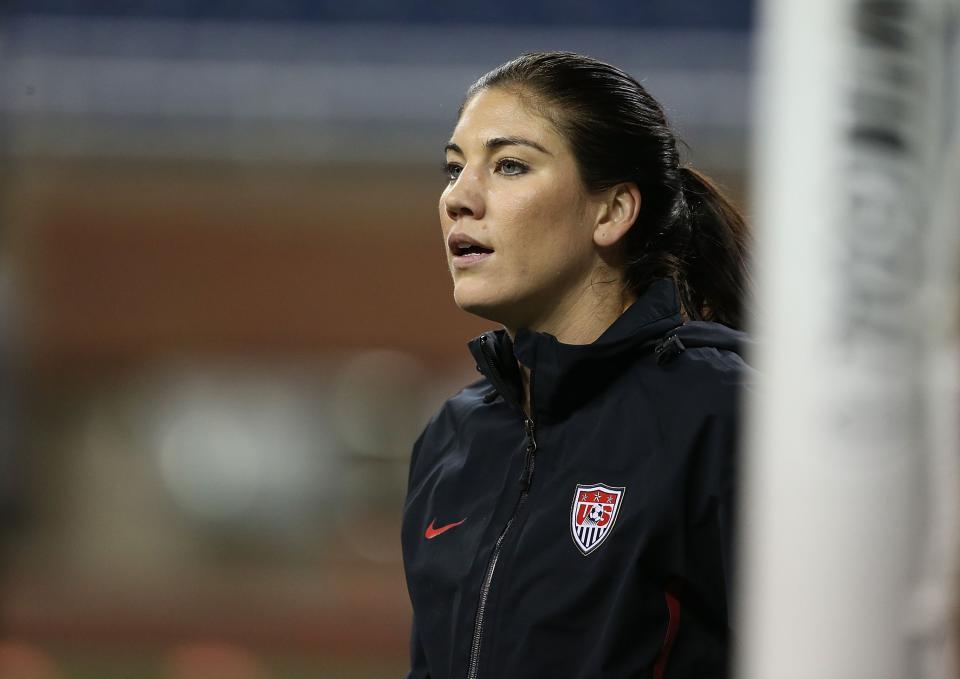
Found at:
[668, 349]
[526, 474]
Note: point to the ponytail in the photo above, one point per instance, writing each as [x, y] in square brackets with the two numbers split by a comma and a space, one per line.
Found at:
[689, 231]
[712, 278]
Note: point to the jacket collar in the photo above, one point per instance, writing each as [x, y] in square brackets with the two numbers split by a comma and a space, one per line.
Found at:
[565, 375]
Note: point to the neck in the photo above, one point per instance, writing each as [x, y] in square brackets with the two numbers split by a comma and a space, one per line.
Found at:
[582, 319]
[581, 322]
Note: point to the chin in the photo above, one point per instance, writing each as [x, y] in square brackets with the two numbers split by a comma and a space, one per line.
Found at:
[483, 309]
[496, 307]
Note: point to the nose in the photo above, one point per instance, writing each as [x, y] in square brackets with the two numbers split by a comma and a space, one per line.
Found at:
[463, 198]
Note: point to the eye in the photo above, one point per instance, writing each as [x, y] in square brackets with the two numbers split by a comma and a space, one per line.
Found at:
[511, 167]
[451, 170]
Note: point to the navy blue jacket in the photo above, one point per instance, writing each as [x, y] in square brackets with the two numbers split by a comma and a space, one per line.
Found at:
[592, 540]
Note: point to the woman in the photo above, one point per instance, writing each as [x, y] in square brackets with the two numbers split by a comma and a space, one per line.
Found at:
[569, 515]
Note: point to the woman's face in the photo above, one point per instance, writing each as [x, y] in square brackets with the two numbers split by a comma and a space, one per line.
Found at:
[516, 219]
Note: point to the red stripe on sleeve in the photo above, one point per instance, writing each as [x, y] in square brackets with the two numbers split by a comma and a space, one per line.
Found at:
[673, 626]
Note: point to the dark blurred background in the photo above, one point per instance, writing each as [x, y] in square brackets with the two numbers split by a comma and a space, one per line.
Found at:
[225, 313]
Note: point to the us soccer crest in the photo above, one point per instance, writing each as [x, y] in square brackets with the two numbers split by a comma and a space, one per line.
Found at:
[593, 514]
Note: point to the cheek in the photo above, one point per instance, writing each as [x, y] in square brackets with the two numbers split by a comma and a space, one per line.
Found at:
[548, 226]
[530, 213]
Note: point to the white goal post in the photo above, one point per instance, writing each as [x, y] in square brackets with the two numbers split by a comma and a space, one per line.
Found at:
[849, 517]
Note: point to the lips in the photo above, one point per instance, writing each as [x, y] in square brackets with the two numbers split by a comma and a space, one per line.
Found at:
[467, 251]
[461, 244]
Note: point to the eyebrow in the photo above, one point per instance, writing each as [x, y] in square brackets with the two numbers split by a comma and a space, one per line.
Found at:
[497, 142]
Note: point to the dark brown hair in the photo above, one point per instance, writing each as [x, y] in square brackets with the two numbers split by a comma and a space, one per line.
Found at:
[687, 230]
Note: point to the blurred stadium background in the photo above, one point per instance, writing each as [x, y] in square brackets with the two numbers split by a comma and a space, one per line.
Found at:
[225, 314]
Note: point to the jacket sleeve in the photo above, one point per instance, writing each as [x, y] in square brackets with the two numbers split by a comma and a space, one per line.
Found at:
[418, 660]
[727, 516]
[712, 505]
[722, 483]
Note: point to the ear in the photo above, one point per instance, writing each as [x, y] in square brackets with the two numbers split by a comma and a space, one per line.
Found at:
[618, 212]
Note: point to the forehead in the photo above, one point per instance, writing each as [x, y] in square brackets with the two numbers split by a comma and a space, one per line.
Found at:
[499, 112]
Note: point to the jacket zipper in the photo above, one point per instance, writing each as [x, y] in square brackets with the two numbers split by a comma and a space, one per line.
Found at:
[526, 478]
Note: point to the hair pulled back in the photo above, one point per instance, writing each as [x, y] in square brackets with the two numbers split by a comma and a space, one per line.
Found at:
[686, 230]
